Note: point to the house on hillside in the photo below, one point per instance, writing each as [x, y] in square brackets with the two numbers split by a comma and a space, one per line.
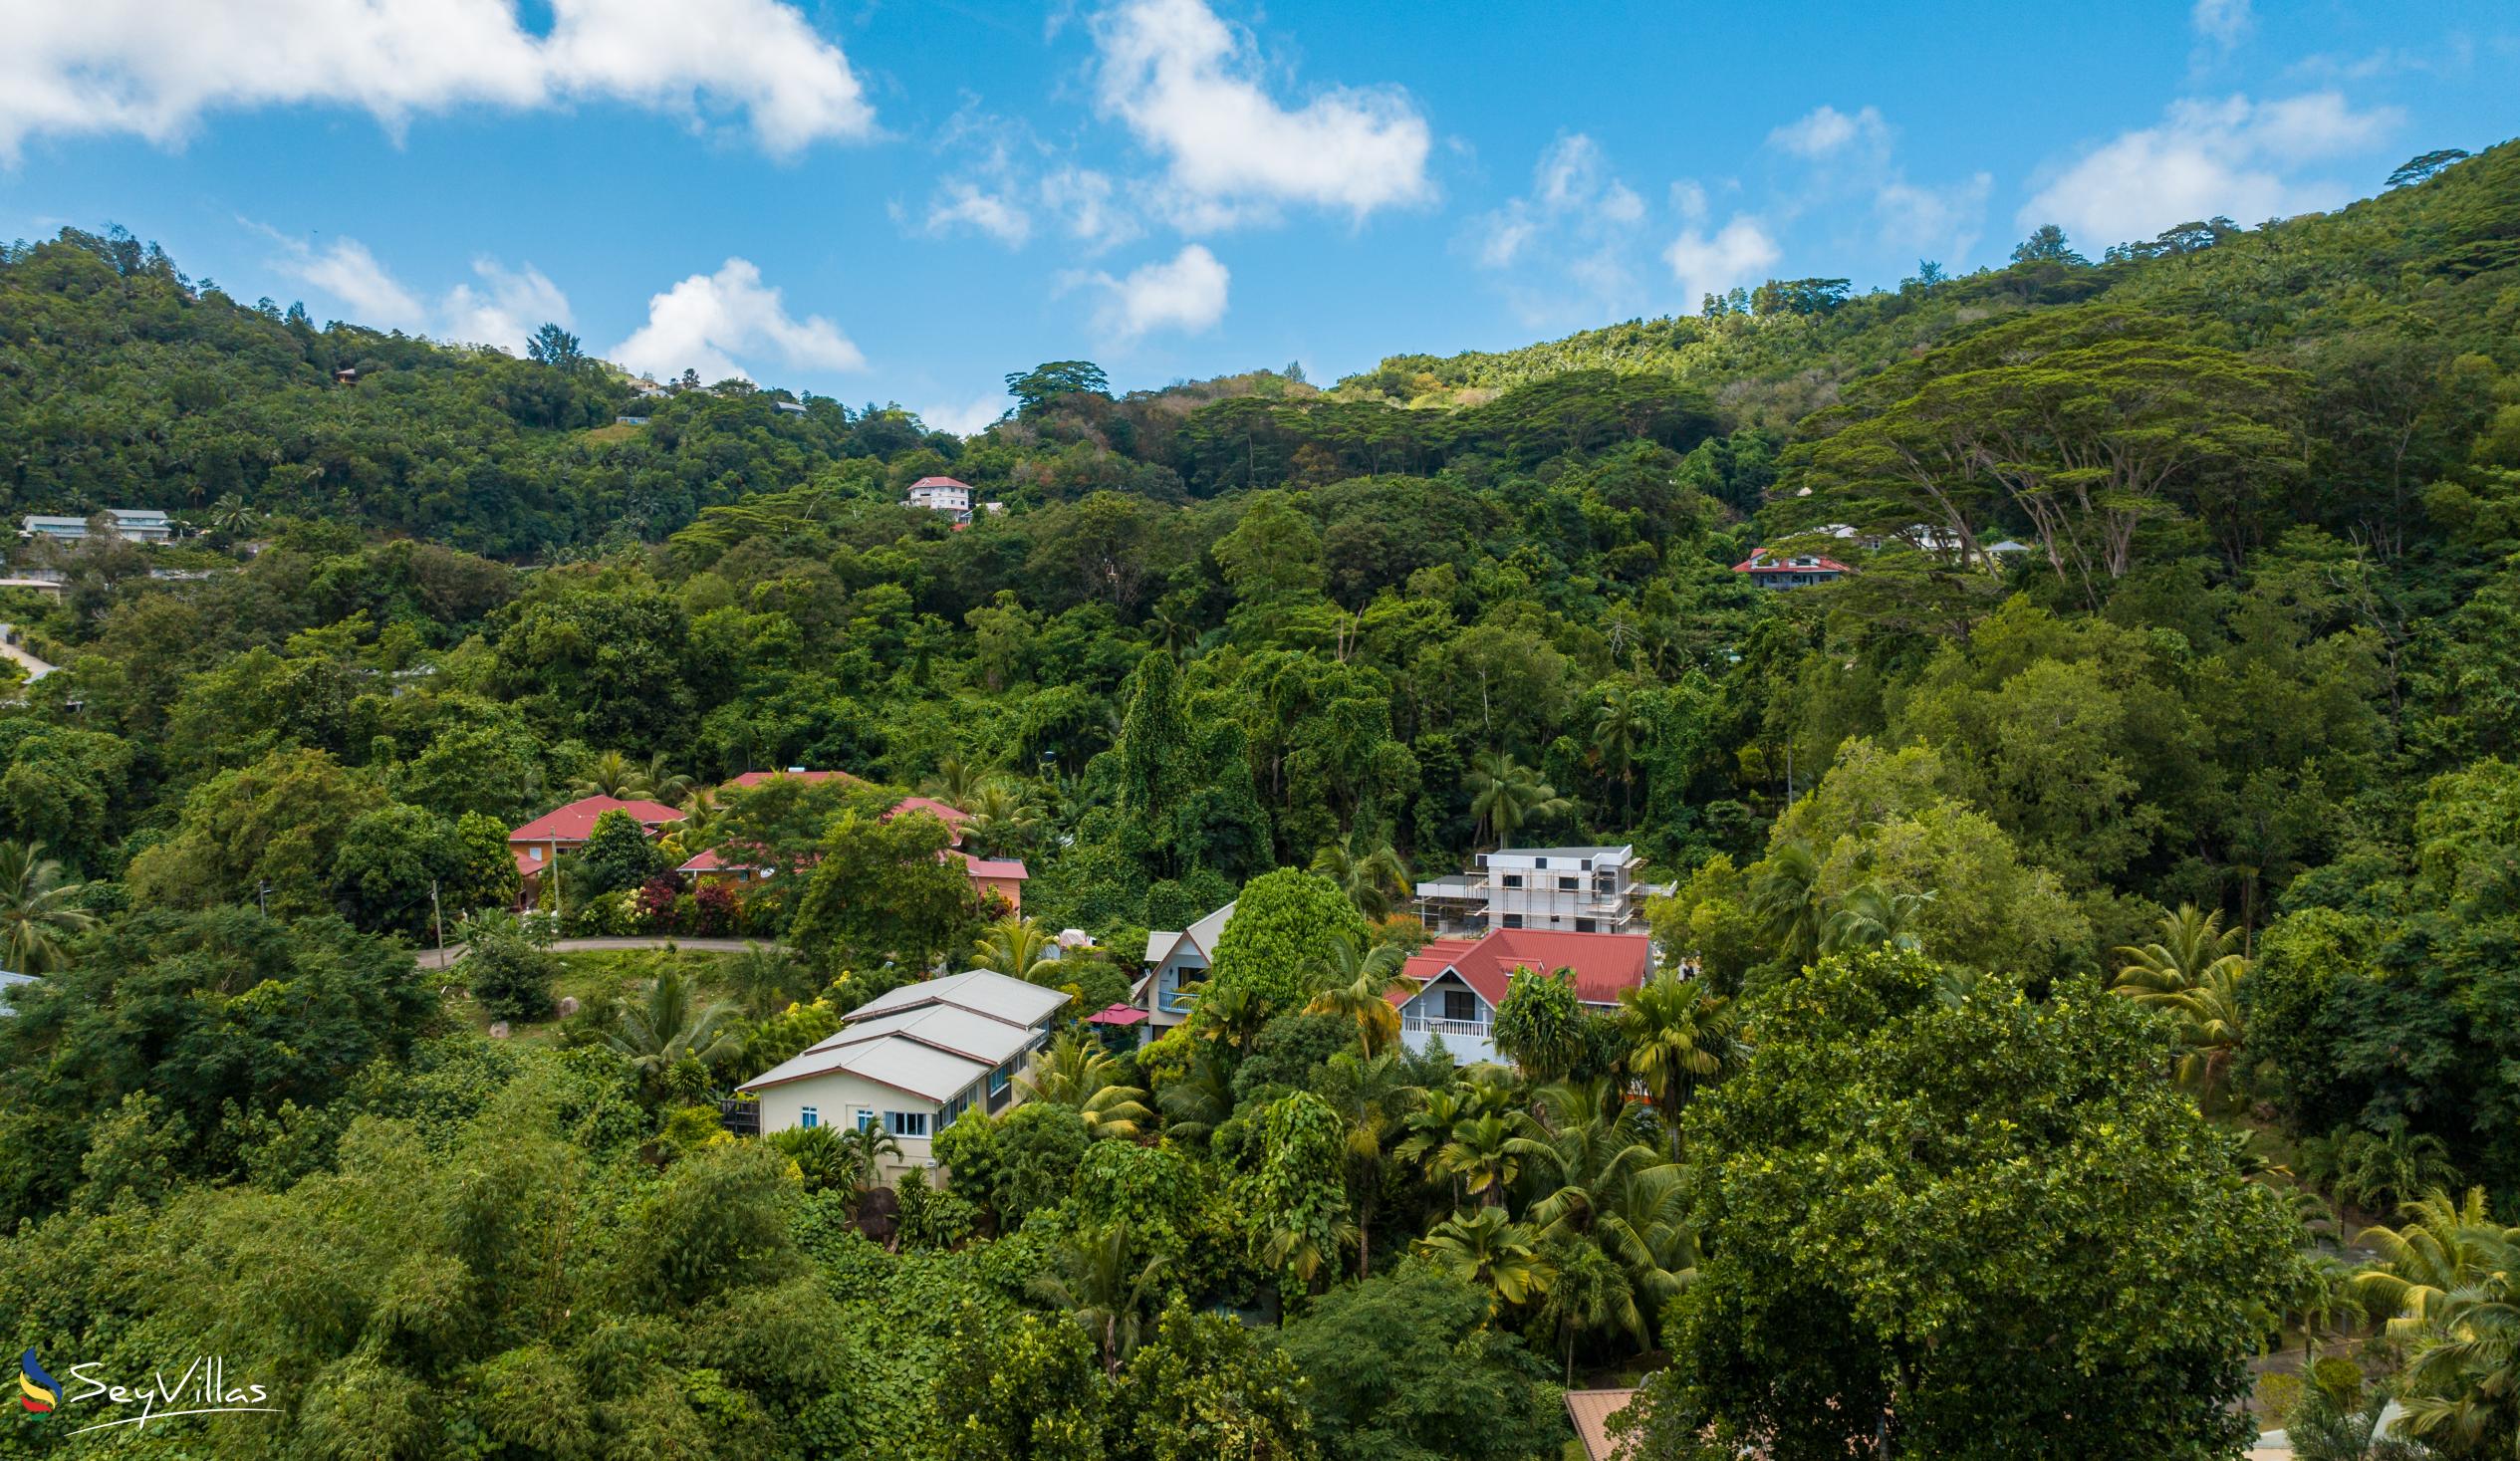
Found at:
[1455, 984]
[1177, 959]
[942, 494]
[1768, 570]
[1578, 890]
[538, 844]
[131, 523]
[788, 407]
[909, 1062]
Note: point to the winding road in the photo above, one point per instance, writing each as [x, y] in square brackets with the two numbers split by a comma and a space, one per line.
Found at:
[35, 668]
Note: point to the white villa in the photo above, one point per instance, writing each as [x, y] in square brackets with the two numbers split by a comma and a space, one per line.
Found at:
[911, 1061]
[133, 524]
[942, 494]
[1573, 890]
[1174, 959]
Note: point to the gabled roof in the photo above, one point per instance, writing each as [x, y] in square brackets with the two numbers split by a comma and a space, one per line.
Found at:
[941, 482]
[983, 991]
[1603, 963]
[1162, 944]
[949, 1028]
[994, 870]
[903, 1065]
[1762, 560]
[572, 823]
[953, 817]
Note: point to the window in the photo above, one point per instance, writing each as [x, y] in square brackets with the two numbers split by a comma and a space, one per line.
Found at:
[860, 1118]
[809, 1116]
[1584, 866]
[1585, 925]
[906, 1123]
[1568, 884]
[1168, 992]
[1539, 861]
[1513, 920]
[535, 853]
[1513, 880]
[999, 1077]
[1461, 1005]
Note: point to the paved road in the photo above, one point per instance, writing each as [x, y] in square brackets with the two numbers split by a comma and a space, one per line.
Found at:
[431, 959]
[35, 668]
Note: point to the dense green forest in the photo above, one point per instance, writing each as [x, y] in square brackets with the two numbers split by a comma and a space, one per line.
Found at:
[2102, 906]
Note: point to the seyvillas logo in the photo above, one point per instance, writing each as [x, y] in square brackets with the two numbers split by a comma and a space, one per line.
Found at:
[37, 1390]
[201, 1389]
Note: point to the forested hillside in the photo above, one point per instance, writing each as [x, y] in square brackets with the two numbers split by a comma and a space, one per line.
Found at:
[2097, 905]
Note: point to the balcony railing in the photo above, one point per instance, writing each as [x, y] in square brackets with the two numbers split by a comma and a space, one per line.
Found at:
[1458, 1029]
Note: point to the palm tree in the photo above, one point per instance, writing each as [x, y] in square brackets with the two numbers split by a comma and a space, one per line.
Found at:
[1231, 1016]
[39, 916]
[953, 782]
[1429, 1122]
[1618, 728]
[1870, 915]
[1201, 1099]
[1004, 818]
[868, 1147]
[2446, 1247]
[1077, 1073]
[702, 818]
[2191, 946]
[1506, 796]
[1586, 1151]
[2462, 1384]
[2212, 1025]
[764, 980]
[1358, 978]
[1373, 1095]
[1485, 1249]
[231, 517]
[658, 782]
[2383, 1172]
[1097, 1279]
[1678, 1034]
[1481, 1158]
[612, 774]
[672, 1031]
[1785, 893]
[1369, 871]
[1019, 948]
[1589, 1291]
[1645, 1228]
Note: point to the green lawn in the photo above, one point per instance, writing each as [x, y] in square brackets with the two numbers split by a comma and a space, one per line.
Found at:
[599, 977]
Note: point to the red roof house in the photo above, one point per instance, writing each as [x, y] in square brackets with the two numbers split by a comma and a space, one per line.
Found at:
[1459, 982]
[1769, 570]
[539, 842]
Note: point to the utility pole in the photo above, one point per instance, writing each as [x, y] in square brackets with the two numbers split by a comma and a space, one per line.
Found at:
[438, 916]
[262, 896]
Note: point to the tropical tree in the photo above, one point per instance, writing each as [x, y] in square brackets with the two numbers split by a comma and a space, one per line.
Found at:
[869, 1146]
[1005, 818]
[765, 981]
[1200, 1099]
[1618, 731]
[1371, 1095]
[1588, 1291]
[2212, 1025]
[39, 914]
[672, 1037]
[1077, 1073]
[1507, 796]
[1232, 1016]
[953, 782]
[1480, 1156]
[1870, 915]
[1487, 1247]
[1785, 895]
[1356, 980]
[1678, 1034]
[1585, 1144]
[2445, 1246]
[659, 783]
[2383, 1171]
[612, 774]
[1106, 1286]
[1368, 869]
[1018, 948]
[2191, 946]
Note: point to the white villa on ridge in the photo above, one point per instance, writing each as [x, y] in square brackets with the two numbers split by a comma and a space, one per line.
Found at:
[909, 1062]
[1175, 959]
[1571, 889]
[942, 494]
[1457, 983]
[133, 524]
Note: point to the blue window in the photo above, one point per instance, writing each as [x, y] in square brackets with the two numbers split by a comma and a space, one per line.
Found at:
[862, 1118]
[906, 1123]
[809, 1116]
[1000, 1077]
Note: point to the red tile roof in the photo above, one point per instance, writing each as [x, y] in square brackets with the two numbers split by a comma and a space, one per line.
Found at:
[1603, 963]
[526, 865]
[1001, 870]
[953, 817]
[939, 482]
[1760, 563]
[1119, 1015]
[572, 823]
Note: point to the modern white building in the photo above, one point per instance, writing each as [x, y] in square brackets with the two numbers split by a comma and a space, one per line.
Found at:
[1175, 959]
[1566, 889]
[942, 494]
[136, 524]
[909, 1062]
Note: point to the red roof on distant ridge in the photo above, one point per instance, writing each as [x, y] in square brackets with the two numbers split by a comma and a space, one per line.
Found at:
[941, 482]
[1603, 963]
[572, 823]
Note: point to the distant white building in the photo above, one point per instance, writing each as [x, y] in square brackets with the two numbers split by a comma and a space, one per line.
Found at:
[1176, 960]
[942, 494]
[1566, 889]
[908, 1063]
[133, 524]
[792, 408]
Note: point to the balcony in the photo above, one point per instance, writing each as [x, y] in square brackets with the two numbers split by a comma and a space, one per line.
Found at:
[1449, 1029]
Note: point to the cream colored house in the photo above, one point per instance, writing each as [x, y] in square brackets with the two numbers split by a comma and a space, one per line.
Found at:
[1176, 962]
[909, 1062]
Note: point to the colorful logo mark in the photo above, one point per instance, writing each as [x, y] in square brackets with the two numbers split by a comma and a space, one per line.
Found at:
[38, 1390]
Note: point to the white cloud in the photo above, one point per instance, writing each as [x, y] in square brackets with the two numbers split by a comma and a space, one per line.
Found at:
[2205, 158]
[1738, 253]
[1827, 132]
[1931, 218]
[1185, 292]
[707, 320]
[1179, 79]
[969, 418]
[506, 310]
[349, 274]
[1088, 209]
[1575, 226]
[961, 203]
[143, 68]
[2226, 23]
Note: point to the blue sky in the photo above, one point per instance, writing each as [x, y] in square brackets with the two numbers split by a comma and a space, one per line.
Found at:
[905, 201]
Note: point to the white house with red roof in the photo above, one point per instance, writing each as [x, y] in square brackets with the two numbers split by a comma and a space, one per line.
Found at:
[538, 844]
[1771, 570]
[942, 494]
[1456, 984]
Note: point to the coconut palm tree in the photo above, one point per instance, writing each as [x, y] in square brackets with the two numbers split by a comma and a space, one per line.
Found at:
[1077, 1073]
[2211, 1022]
[1506, 796]
[1485, 1249]
[1019, 948]
[39, 912]
[1004, 818]
[671, 1031]
[1645, 1227]
[701, 819]
[868, 1147]
[1200, 1099]
[1231, 1016]
[1584, 1149]
[1481, 1158]
[1099, 1279]
[1429, 1122]
[1589, 1291]
[955, 782]
[2191, 946]
[2462, 1387]
[1870, 915]
[659, 783]
[1785, 895]
[1680, 1034]
[1619, 730]
[612, 774]
[1373, 1095]
[2444, 1248]
[2382, 1172]
[1367, 869]
[1357, 979]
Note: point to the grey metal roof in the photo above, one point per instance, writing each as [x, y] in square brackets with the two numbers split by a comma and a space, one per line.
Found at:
[981, 991]
[905, 1065]
[948, 1027]
[1560, 851]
